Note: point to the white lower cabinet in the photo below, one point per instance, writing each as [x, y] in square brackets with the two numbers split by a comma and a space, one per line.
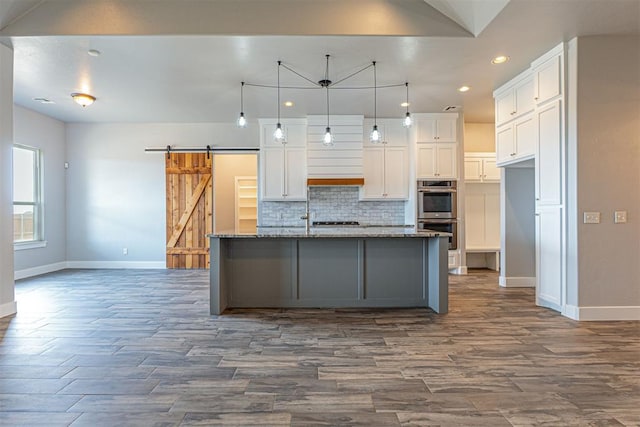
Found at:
[482, 217]
[516, 141]
[549, 256]
[386, 173]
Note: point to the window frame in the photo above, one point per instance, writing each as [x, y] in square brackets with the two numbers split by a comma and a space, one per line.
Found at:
[38, 205]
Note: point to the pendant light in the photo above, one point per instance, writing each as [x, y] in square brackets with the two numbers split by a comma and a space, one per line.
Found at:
[328, 137]
[242, 122]
[278, 135]
[375, 136]
[407, 122]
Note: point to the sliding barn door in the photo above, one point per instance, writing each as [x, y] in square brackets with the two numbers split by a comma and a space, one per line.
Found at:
[189, 209]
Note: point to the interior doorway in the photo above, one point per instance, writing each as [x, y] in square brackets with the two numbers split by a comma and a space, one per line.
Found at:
[235, 195]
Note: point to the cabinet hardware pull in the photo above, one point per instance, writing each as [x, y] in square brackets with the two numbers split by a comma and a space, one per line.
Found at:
[536, 98]
[512, 154]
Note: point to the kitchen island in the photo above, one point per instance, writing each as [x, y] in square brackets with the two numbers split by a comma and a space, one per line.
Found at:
[329, 267]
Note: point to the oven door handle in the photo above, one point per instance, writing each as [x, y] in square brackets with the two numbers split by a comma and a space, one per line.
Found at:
[421, 190]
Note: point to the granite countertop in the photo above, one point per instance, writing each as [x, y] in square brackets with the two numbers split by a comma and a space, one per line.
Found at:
[327, 232]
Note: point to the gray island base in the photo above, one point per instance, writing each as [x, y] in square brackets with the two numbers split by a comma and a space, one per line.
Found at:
[338, 268]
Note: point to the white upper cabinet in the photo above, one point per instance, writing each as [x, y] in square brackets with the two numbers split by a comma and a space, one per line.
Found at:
[515, 99]
[548, 79]
[437, 161]
[283, 167]
[295, 134]
[436, 129]
[516, 141]
[481, 167]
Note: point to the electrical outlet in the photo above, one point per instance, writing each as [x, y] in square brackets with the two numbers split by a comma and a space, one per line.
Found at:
[620, 217]
[125, 251]
[592, 217]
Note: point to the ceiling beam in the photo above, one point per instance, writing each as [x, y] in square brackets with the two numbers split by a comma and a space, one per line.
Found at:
[473, 15]
[235, 17]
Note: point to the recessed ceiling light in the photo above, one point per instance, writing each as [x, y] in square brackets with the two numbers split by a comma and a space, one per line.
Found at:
[288, 103]
[463, 89]
[44, 100]
[405, 104]
[500, 59]
[93, 52]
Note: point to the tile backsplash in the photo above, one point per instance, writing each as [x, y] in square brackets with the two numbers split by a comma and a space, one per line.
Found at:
[332, 204]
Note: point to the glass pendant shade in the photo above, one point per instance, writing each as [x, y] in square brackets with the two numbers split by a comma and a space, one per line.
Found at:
[242, 121]
[328, 137]
[376, 136]
[278, 135]
[408, 121]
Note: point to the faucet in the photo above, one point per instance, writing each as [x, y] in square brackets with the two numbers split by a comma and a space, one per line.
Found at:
[307, 214]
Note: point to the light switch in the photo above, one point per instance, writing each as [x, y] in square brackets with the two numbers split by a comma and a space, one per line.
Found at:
[620, 217]
[592, 217]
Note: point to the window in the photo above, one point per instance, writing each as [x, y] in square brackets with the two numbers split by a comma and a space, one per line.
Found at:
[27, 195]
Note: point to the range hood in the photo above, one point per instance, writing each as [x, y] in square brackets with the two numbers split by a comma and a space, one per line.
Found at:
[335, 181]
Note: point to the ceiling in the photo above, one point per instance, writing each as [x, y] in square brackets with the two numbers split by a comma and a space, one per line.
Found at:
[183, 60]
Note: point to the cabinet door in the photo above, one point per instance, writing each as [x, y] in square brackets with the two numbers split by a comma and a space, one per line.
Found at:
[473, 169]
[446, 160]
[505, 107]
[296, 135]
[373, 167]
[272, 173]
[426, 167]
[504, 144]
[396, 173]
[446, 130]
[524, 102]
[525, 137]
[426, 130]
[548, 80]
[549, 257]
[474, 218]
[492, 217]
[295, 173]
[395, 134]
[549, 167]
[490, 172]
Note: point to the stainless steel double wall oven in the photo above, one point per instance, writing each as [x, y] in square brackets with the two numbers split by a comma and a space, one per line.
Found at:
[438, 208]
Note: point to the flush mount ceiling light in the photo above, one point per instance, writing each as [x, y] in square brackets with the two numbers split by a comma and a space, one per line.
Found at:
[327, 84]
[501, 59]
[288, 103]
[83, 99]
[464, 89]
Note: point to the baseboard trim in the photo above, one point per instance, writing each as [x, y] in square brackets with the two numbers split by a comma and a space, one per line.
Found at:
[117, 264]
[517, 282]
[571, 311]
[606, 313]
[41, 269]
[459, 271]
[9, 308]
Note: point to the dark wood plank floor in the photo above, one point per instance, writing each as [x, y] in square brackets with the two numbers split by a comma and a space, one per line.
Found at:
[136, 347]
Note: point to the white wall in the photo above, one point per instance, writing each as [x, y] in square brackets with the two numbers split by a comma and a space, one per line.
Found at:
[116, 191]
[608, 170]
[7, 298]
[47, 134]
[479, 137]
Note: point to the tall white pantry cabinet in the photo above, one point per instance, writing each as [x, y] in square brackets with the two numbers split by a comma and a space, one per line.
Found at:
[534, 130]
